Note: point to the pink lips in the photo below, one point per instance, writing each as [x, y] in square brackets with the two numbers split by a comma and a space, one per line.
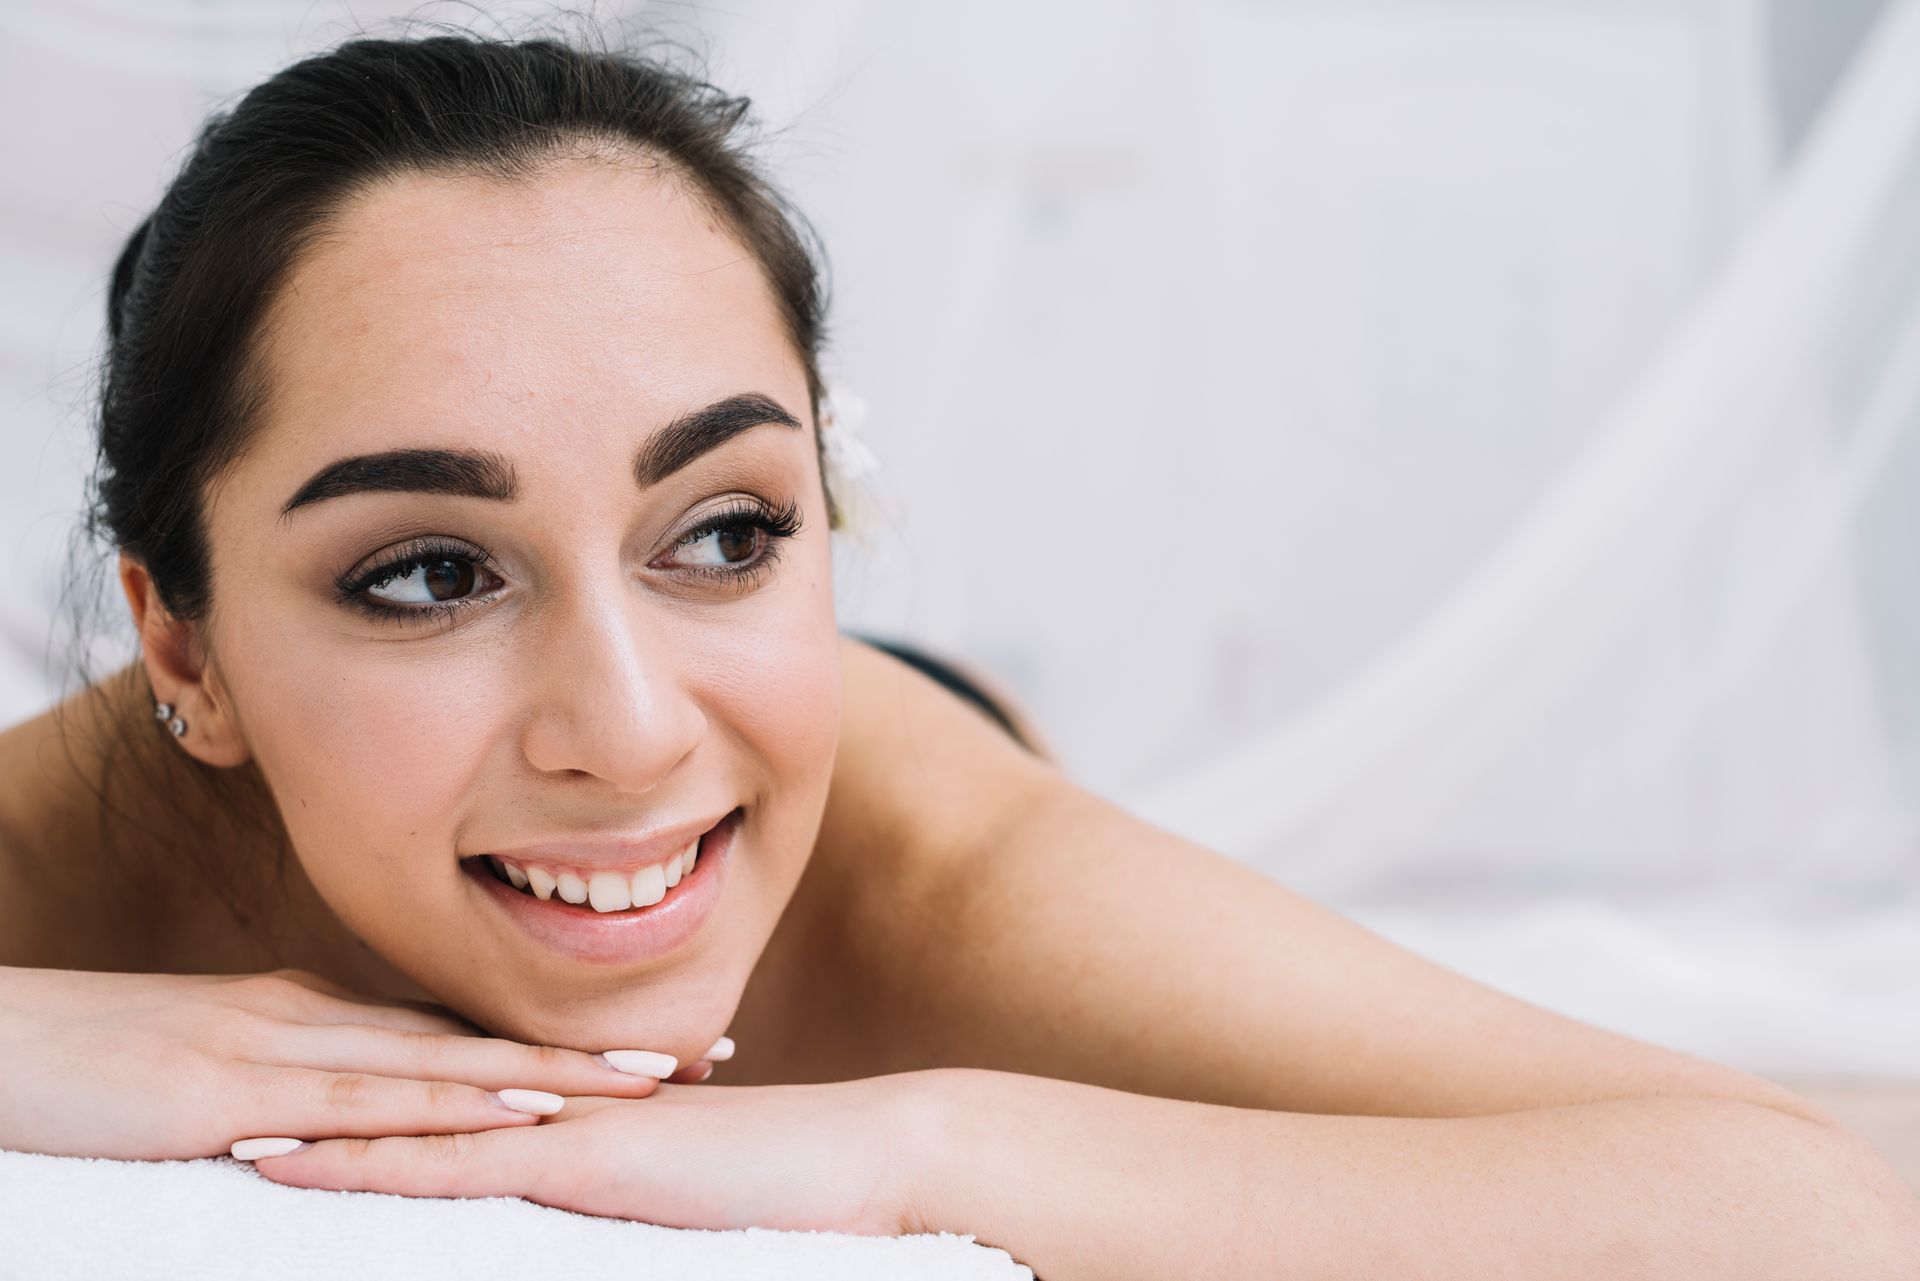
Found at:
[635, 936]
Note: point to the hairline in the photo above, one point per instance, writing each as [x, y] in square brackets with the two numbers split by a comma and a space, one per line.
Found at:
[253, 390]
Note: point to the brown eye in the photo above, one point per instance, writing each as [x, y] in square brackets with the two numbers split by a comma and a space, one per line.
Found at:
[448, 579]
[726, 545]
[734, 543]
[737, 544]
[427, 582]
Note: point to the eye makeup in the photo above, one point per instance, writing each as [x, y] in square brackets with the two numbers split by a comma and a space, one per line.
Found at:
[468, 575]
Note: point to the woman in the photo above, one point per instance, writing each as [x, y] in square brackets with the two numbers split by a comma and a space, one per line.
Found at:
[493, 755]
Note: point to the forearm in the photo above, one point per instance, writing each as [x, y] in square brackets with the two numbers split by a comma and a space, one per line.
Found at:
[1077, 1181]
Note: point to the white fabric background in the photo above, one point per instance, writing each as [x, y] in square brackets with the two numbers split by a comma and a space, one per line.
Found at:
[1450, 455]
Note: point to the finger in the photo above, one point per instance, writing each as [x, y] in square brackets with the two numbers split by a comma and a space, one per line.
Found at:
[493, 1163]
[443, 1013]
[392, 1018]
[692, 1073]
[699, 1070]
[309, 980]
[301, 999]
[491, 1063]
[313, 1104]
[312, 998]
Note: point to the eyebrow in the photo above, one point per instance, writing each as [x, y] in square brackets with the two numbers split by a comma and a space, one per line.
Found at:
[483, 474]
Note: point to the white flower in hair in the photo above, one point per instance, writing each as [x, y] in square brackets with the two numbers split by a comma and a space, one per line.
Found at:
[841, 413]
[850, 464]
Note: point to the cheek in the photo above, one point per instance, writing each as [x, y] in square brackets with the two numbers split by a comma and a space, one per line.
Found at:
[370, 754]
[768, 676]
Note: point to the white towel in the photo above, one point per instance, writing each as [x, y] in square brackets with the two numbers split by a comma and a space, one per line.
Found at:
[218, 1218]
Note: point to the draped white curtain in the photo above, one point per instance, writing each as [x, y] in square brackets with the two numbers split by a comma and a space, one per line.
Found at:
[1680, 668]
[1656, 761]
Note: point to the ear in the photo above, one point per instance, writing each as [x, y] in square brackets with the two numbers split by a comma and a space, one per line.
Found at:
[174, 655]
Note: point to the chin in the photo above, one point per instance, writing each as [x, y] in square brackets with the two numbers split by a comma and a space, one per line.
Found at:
[684, 1027]
[681, 1013]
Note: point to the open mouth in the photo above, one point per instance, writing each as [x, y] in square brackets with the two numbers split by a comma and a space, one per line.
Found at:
[605, 926]
[602, 892]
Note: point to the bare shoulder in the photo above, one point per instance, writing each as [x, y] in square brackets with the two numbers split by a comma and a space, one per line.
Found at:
[31, 809]
[68, 900]
[915, 765]
[1001, 916]
[835, 993]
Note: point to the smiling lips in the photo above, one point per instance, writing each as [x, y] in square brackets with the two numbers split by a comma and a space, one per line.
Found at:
[603, 890]
[598, 918]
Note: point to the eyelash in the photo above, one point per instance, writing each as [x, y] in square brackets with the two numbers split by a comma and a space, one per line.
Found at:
[777, 523]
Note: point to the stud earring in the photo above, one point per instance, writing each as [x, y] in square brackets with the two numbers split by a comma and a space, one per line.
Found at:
[164, 712]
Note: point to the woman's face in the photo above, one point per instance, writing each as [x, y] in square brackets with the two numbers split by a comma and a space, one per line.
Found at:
[575, 631]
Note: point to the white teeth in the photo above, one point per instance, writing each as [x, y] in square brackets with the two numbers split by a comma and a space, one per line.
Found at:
[608, 892]
[604, 891]
[649, 886]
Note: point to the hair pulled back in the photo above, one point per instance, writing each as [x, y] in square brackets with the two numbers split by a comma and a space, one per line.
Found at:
[180, 383]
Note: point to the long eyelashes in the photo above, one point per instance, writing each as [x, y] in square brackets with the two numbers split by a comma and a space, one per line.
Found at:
[767, 526]
[770, 525]
[355, 585]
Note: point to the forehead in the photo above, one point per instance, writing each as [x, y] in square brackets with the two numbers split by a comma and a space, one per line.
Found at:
[433, 301]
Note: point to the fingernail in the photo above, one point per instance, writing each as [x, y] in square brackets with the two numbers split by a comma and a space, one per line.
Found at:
[640, 1062]
[722, 1050]
[705, 1072]
[254, 1149]
[538, 1102]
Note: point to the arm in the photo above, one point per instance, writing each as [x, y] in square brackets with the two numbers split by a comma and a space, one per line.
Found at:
[1366, 1104]
[1079, 1181]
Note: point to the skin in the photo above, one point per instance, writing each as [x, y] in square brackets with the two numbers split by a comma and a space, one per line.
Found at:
[565, 705]
[968, 994]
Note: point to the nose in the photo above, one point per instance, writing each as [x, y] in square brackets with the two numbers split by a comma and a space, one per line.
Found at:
[607, 695]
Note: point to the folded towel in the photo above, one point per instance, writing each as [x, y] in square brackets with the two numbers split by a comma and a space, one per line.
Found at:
[219, 1218]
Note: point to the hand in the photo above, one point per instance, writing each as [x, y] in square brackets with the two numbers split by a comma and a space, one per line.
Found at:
[165, 1066]
[700, 1069]
[838, 1157]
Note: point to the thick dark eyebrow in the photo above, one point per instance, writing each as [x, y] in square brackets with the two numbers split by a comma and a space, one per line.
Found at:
[693, 434]
[466, 473]
[478, 474]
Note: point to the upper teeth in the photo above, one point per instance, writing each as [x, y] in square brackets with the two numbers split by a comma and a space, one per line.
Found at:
[604, 891]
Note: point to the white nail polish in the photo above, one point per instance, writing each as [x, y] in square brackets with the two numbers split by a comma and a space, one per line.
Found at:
[254, 1149]
[641, 1062]
[722, 1050]
[538, 1102]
